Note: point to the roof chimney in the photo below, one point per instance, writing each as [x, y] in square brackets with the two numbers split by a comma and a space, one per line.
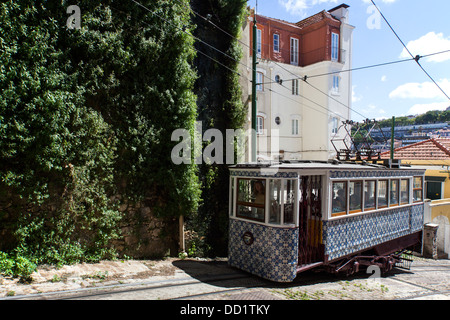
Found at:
[340, 12]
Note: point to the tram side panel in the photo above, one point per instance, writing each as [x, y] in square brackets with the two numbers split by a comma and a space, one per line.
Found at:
[353, 234]
[268, 252]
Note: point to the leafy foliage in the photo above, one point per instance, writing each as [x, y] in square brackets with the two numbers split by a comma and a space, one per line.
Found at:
[87, 114]
[219, 106]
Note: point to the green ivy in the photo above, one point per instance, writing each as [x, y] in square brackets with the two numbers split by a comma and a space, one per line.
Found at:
[88, 114]
[220, 107]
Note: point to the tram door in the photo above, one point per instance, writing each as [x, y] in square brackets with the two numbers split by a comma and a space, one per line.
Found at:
[310, 220]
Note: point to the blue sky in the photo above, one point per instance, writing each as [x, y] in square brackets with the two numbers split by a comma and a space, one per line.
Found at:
[395, 90]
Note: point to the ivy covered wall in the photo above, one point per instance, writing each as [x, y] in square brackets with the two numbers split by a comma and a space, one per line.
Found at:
[86, 117]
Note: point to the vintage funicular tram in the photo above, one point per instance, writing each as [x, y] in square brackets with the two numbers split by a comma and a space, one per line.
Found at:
[286, 218]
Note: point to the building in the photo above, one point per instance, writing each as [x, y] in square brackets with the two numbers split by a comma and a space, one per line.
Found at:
[296, 119]
[434, 156]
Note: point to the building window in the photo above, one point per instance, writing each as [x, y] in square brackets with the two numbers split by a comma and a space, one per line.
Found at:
[295, 127]
[276, 42]
[259, 81]
[418, 189]
[259, 43]
[259, 125]
[336, 80]
[334, 47]
[295, 87]
[294, 51]
[334, 125]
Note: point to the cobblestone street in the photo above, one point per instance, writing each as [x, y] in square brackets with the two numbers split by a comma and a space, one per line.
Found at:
[195, 279]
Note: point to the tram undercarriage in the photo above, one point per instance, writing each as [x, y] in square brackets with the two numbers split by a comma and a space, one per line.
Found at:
[396, 253]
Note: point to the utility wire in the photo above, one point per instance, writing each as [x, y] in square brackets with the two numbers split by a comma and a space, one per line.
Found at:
[200, 40]
[215, 60]
[416, 58]
[363, 68]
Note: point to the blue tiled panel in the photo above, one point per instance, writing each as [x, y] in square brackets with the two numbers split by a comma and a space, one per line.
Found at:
[354, 233]
[272, 255]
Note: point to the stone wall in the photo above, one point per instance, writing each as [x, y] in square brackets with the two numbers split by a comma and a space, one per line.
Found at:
[142, 234]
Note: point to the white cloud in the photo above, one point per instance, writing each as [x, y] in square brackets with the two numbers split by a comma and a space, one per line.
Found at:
[355, 98]
[430, 43]
[383, 78]
[298, 7]
[423, 108]
[426, 90]
[383, 1]
[373, 111]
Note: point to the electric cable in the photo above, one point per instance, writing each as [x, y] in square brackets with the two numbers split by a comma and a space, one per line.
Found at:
[416, 58]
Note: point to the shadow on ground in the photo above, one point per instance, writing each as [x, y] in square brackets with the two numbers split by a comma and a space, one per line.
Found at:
[219, 273]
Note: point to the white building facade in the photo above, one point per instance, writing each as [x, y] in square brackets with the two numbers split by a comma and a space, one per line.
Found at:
[304, 90]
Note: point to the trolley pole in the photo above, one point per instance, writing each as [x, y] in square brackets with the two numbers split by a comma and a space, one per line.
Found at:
[254, 113]
[392, 138]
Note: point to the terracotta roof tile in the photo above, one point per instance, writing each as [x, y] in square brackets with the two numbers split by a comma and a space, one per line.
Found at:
[433, 149]
[315, 19]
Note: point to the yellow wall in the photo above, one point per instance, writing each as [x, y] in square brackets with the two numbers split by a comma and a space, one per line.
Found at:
[434, 171]
[440, 208]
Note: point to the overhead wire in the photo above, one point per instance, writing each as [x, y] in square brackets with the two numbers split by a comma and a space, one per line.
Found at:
[200, 40]
[304, 78]
[215, 60]
[271, 80]
[416, 58]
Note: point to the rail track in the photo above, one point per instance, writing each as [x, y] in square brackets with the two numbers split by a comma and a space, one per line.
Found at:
[235, 282]
[171, 289]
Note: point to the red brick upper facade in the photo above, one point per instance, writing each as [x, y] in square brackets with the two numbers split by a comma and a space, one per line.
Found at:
[309, 41]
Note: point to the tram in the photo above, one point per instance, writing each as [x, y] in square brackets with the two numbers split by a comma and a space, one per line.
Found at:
[289, 217]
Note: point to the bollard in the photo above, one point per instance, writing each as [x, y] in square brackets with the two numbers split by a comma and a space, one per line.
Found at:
[430, 241]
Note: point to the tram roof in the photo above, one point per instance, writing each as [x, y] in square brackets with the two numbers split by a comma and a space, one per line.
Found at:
[325, 165]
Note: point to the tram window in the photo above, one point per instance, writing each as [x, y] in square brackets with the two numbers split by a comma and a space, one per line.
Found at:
[355, 196]
[339, 202]
[251, 199]
[289, 199]
[393, 193]
[275, 201]
[404, 191]
[418, 189]
[382, 194]
[369, 195]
